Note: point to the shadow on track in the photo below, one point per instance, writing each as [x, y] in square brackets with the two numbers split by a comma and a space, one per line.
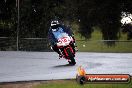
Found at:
[66, 65]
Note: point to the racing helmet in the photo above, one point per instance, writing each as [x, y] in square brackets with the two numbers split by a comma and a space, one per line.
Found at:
[54, 24]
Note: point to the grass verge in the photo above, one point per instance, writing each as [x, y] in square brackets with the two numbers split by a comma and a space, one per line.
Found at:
[96, 45]
[63, 84]
[73, 84]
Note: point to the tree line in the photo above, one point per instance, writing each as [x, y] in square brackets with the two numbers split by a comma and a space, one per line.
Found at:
[35, 16]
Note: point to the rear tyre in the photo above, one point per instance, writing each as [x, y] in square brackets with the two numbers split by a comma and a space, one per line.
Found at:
[71, 56]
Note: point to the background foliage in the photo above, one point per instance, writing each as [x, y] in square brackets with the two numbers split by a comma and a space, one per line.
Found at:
[36, 15]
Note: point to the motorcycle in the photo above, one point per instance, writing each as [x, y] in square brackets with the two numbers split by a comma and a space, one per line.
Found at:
[64, 44]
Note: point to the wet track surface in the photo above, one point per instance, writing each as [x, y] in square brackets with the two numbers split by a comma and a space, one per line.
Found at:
[25, 66]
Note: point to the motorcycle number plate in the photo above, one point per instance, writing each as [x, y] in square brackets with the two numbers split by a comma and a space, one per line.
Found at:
[64, 40]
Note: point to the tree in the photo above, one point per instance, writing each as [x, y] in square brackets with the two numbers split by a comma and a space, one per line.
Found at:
[102, 13]
[35, 15]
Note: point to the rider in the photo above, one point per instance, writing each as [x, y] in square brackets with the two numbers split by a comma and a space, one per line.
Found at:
[56, 26]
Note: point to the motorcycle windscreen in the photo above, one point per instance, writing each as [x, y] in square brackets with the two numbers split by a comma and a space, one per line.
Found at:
[60, 33]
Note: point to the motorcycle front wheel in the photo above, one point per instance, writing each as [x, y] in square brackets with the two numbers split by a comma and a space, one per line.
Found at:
[71, 56]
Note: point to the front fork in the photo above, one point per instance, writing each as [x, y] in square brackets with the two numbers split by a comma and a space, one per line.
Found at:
[64, 52]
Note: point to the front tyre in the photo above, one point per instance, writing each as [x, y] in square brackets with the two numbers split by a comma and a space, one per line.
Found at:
[71, 56]
[72, 62]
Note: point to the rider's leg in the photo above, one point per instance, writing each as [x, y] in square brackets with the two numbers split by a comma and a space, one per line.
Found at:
[74, 47]
[55, 48]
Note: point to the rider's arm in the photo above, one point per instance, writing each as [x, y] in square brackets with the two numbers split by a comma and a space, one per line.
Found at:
[51, 38]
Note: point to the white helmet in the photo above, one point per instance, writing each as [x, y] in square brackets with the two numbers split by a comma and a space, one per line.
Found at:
[126, 20]
[54, 22]
[54, 25]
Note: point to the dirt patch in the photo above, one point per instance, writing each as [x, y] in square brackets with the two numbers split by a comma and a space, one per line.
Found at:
[28, 84]
[19, 84]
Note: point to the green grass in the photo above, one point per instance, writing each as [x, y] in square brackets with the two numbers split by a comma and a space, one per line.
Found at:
[95, 45]
[98, 46]
[74, 84]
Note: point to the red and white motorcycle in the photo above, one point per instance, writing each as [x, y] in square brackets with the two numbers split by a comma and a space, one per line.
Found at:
[64, 44]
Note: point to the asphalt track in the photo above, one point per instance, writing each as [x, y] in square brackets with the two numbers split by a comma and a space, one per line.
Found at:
[25, 66]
